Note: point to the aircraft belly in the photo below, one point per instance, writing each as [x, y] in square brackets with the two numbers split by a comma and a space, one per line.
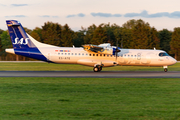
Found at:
[87, 61]
[92, 62]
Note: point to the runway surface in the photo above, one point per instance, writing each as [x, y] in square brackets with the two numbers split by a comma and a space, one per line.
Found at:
[102, 74]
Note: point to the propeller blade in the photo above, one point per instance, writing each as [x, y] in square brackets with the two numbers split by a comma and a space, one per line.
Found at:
[116, 53]
[117, 50]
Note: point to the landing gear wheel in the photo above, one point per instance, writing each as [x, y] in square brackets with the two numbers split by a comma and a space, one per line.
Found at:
[96, 69]
[100, 68]
[165, 69]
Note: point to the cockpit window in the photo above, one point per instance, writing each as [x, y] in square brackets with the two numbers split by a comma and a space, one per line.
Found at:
[163, 54]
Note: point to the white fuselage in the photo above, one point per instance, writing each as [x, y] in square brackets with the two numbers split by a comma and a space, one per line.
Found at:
[141, 57]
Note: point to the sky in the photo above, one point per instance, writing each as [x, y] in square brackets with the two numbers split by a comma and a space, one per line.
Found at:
[161, 14]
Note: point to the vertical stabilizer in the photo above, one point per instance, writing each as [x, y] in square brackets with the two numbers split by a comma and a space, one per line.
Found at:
[19, 38]
[21, 42]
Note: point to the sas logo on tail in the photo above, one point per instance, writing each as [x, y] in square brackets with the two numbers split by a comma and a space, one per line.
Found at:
[21, 41]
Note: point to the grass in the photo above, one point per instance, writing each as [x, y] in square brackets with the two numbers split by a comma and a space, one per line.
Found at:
[5, 66]
[89, 99]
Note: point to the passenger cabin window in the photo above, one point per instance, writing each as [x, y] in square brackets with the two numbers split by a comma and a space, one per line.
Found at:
[163, 54]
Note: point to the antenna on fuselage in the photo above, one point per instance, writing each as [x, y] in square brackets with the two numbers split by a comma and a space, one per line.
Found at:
[122, 43]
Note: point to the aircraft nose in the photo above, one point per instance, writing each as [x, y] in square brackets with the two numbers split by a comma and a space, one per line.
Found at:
[173, 60]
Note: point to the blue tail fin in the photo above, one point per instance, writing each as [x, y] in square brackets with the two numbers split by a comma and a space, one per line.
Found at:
[22, 44]
[19, 38]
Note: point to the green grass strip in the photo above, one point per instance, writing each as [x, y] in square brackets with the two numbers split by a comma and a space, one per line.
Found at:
[89, 98]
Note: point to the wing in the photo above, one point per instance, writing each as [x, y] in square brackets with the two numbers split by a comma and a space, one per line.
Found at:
[93, 48]
[101, 49]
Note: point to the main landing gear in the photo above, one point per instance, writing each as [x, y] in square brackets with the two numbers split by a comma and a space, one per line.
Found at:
[97, 68]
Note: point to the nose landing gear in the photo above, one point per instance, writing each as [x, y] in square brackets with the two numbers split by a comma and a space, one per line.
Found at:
[165, 68]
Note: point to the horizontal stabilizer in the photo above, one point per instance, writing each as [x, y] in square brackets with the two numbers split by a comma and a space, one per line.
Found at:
[10, 50]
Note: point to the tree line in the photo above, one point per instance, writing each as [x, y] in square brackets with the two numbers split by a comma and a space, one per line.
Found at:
[134, 34]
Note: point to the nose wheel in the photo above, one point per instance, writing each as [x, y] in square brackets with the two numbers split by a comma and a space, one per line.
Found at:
[165, 69]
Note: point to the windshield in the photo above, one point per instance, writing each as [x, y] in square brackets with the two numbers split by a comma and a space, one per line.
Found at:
[163, 54]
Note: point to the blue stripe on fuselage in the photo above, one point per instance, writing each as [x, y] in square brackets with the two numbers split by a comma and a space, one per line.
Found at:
[32, 53]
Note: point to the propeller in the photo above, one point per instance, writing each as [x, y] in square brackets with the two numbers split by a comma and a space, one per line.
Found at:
[117, 50]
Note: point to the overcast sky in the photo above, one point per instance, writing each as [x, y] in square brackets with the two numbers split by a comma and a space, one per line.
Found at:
[83, 13]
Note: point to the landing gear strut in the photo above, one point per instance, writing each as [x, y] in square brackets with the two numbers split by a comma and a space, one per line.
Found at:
[97, 68]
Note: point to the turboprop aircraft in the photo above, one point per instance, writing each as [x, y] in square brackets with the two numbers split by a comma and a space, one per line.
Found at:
[96, 56]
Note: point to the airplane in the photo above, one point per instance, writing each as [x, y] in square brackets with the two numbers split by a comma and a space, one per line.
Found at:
[96, 56]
